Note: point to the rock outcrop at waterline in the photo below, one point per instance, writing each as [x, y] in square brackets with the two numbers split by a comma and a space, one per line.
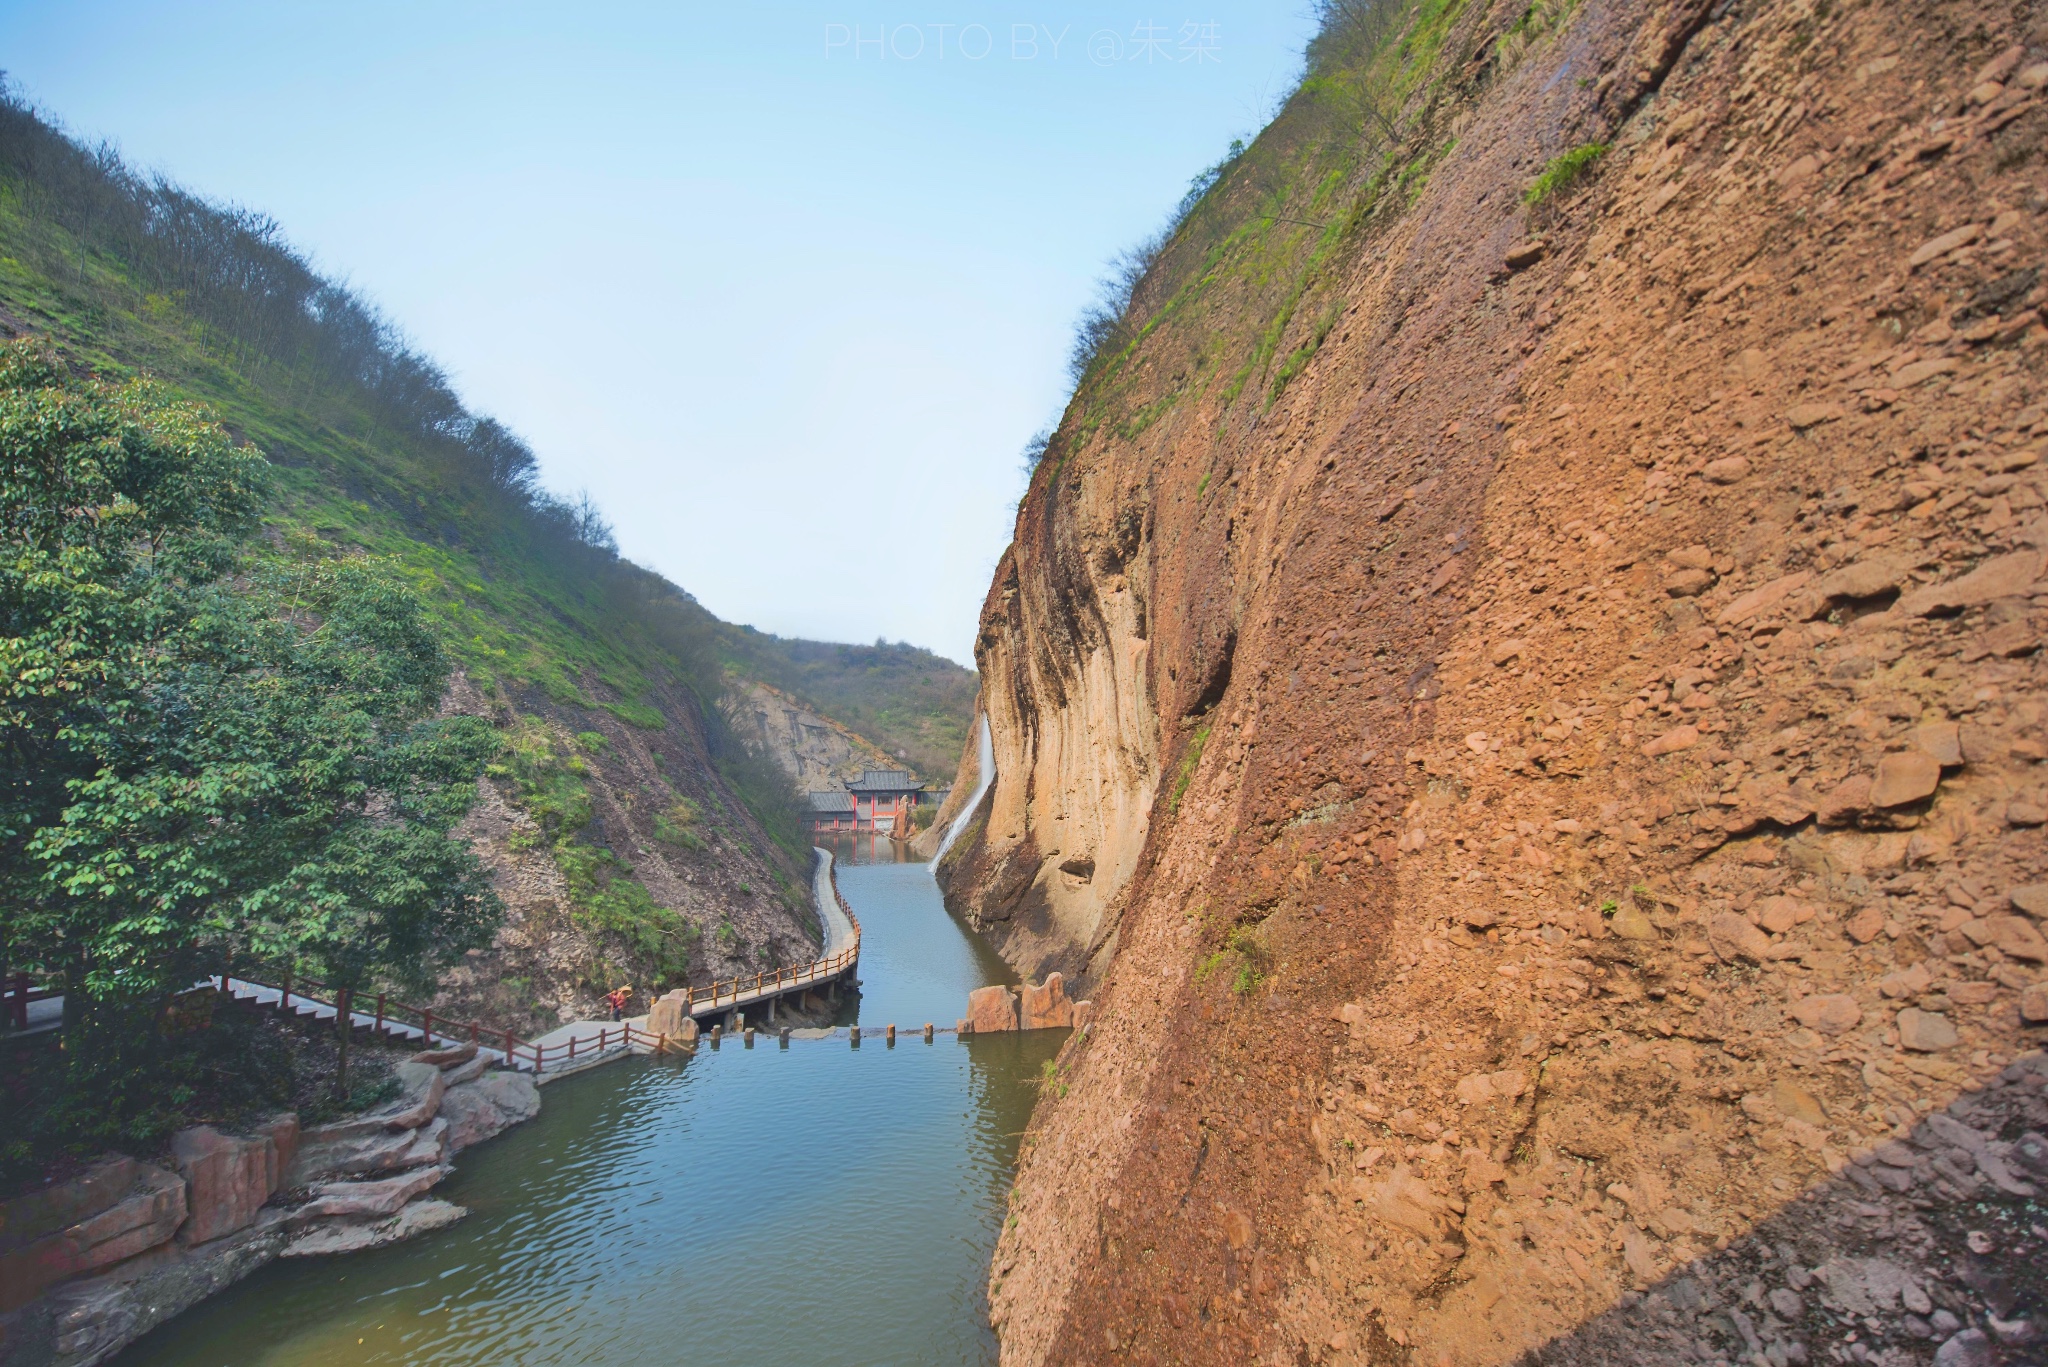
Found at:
[91, 1265]
[1562, 765]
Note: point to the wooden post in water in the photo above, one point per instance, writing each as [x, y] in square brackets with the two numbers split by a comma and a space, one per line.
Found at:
[892, 1034]
[927, 1032]
[854, 1031]
[750, 1037]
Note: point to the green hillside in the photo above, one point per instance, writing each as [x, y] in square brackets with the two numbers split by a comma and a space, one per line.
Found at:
[912, 703]
[374, 450]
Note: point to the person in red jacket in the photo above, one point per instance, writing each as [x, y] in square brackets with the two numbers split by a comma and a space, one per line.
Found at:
[617, 998]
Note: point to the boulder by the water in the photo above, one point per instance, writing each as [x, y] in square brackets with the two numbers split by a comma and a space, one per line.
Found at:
[991, 1010]
[668, 1014]
[420, 1217]
[229, 1177]
[117, 1209]
[1045, 1007]
[493, 1103]
[352, 1200]
[341, 1150]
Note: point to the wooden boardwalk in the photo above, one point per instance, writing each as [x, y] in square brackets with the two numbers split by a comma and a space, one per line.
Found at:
[837, 962]
[579, 1044]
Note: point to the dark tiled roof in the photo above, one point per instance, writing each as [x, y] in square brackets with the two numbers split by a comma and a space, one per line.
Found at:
[830, 802]
[885, 781]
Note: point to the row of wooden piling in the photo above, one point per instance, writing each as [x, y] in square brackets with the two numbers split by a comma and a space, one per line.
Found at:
[888, 1032]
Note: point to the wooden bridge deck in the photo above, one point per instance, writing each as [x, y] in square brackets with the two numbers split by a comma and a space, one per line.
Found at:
[838, 959]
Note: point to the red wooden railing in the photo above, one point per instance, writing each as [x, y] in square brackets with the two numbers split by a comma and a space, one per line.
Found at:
[15, 997]
[782, 978]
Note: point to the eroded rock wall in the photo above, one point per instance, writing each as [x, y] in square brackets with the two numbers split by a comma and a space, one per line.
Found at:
[1064, 660]
[1576, 751]
[817, 753]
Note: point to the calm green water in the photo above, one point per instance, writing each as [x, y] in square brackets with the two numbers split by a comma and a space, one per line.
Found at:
[813, 1206]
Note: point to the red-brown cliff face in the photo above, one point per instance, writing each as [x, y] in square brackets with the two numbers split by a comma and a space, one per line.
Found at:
[1530, 717]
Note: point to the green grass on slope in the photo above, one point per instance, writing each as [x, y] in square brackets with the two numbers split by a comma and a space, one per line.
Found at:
[531, 613]
[1239, 295]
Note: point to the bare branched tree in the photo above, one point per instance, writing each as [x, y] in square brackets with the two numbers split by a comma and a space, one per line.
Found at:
[1345, 69]
[507, 459]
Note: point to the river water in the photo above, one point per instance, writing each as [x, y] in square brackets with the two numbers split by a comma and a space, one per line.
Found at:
[815, 1206]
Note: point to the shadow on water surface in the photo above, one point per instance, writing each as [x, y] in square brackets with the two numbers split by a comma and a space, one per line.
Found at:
[812, 1205]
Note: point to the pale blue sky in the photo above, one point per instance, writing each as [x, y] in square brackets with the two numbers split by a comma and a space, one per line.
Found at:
[786, 299]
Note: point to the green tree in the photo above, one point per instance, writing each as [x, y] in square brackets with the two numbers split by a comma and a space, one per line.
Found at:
[203, 751]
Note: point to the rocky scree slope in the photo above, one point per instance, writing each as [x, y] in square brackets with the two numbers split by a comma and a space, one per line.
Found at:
[1559, 774]
[621, 857]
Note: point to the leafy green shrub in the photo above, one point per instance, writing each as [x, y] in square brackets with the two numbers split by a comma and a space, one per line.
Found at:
[1564, 171]
[1248, 950]
[1251, 960]
[608, 903]
[549, 784]
[1535, 20]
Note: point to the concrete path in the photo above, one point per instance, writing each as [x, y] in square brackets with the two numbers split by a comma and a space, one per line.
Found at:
[264, 995]
[589, 1035]
[838, 930]
[44, 1014]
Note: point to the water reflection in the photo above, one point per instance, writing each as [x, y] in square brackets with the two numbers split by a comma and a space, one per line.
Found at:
[864, 847]
[810, 1206]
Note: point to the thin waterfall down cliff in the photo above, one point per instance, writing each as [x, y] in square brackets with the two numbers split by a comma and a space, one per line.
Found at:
[985, 774]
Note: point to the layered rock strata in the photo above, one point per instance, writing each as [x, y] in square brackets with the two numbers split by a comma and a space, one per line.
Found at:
[1564, 784]
[90, 1265]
